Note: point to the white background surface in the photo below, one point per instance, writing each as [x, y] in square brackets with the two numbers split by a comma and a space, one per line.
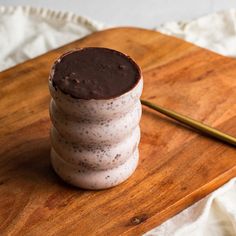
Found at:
[143, 13]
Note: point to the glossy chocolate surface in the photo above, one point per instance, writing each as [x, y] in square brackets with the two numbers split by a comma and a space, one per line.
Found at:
[95, 73]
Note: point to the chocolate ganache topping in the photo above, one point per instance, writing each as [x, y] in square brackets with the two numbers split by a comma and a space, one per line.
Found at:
[95, 73]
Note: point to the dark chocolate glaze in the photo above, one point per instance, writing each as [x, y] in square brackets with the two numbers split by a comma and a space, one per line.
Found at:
[95, 73]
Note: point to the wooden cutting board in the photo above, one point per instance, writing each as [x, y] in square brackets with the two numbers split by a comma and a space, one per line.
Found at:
[177, 167]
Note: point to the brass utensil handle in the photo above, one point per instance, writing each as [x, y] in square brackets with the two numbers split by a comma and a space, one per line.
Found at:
[192, 123]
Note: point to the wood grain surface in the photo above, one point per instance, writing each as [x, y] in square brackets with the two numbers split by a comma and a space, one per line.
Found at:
[177, 166]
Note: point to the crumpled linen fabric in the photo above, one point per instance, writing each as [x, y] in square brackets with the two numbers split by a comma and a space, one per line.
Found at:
[214, 215]
[27, 32]
[216, 32]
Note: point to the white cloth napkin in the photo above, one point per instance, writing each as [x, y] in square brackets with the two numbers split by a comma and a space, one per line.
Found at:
[215, 215]
[26, 32]
[216, 32]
